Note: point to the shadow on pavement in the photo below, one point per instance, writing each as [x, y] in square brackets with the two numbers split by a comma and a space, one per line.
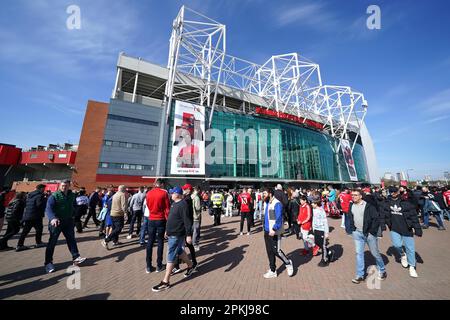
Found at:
[98, 296]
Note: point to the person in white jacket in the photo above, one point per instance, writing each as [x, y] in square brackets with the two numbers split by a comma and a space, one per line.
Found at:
[144, 228]
[229, 207]
[321, 232]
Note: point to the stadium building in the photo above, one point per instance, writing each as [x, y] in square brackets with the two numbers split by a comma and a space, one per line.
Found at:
[215, 119]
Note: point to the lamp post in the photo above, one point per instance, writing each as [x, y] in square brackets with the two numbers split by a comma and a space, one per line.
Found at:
[407, 173]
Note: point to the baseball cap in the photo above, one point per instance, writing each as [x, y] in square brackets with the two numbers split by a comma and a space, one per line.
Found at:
[187, 186]
[176, 190]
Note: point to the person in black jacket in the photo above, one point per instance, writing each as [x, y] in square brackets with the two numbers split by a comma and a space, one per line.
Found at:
[293, 211]
[178, 231]
[364, 225]
[13, 215]
[431, 206]
[401, 218]
[32, 217]
[94, 201]
[187, 192]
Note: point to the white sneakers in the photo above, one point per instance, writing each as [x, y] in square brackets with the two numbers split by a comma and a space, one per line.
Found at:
[413, 272]
[129, 236]
[290, 268]
[269, 274]
[404, 261]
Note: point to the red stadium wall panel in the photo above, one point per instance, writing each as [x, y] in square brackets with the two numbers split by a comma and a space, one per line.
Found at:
[41, 157]
[9, 155]
[90, 146]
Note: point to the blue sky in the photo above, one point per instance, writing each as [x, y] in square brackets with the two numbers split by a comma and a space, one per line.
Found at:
[47, 72]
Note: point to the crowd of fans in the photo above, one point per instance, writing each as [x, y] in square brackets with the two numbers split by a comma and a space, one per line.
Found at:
[157, 215]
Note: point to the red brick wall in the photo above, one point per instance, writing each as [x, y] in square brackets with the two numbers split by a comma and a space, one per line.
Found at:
[90, 146]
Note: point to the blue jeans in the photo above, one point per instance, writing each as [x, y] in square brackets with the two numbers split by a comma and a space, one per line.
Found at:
[175, 248]
[156, 230]
[398, 241]
[360, 243]
[143, 231]
[67, 229]
[426, 214]
[446, 213]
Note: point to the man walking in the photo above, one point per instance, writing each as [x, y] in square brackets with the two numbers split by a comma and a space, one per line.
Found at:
[118, 211]
[59, 211]
[94, 201]
[273, 228]
[364, 222]
[431, 206]
[32, 217]
[157, 201]
[136, 204]
[179, 232]
[401, 218]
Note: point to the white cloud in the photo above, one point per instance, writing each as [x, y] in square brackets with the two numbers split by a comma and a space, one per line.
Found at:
[438, 103]
[436, 119]
[313, 15]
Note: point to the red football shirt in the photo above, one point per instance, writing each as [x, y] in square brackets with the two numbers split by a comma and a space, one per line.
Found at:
[245, 200]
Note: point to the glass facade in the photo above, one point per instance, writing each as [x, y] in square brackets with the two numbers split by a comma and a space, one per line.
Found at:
[272, 149]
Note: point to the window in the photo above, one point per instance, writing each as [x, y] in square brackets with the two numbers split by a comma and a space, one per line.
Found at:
[132, 167]
[108, 143]
[62, 155]
[139, 167]
[133, 120]
[103, 165]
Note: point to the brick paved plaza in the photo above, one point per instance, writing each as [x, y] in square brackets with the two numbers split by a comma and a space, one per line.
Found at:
[231, 267]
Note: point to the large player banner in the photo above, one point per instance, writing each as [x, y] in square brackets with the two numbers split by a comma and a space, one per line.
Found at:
[345, 144]
[188, 148]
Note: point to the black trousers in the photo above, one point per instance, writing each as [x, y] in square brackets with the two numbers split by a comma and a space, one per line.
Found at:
[296, 228]
[248, 216]
[217, 212]
[273, 249]
[319, 239]
[93, 214]
[79, 212]
[137, 215]
[118, 223]
[12, 229]
[37, 225]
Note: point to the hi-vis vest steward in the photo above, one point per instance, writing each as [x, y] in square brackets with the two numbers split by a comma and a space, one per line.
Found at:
[217, 200]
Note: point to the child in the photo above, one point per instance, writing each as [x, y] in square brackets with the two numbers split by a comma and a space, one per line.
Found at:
[321, 231]
[304, 221]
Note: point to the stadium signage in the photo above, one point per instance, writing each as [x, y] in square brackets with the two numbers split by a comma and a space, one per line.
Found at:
[289, 117]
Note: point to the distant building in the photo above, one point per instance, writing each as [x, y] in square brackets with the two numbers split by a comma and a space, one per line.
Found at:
[427, 178]
[388, 176]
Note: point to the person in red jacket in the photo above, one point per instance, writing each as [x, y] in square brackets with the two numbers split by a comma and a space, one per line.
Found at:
[305, 220]
[245, 200]
[345, 198]
[158, 205]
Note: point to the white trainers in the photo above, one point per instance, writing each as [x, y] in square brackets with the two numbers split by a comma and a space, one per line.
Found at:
[241, 234]
[290, 268]
[78, 261]
[404, 261]
[269, 274]
[130, 236]
[413, 272]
